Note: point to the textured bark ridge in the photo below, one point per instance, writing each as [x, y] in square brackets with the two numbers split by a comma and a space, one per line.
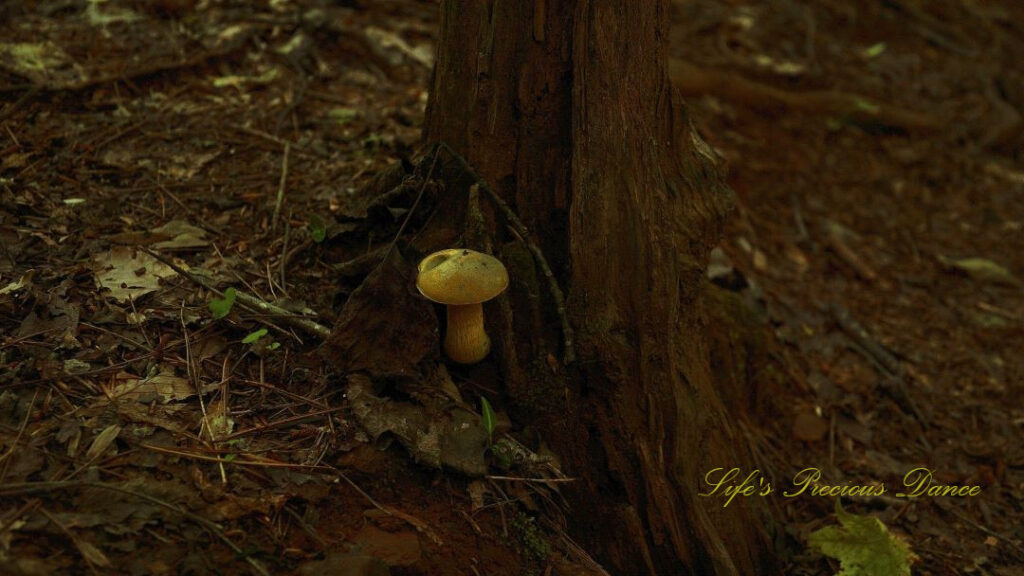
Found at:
[566, 109]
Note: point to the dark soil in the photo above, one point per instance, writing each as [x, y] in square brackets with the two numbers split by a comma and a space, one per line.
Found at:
[878, 234]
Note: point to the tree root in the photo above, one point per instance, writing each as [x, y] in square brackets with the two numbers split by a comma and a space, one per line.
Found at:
[692, 79]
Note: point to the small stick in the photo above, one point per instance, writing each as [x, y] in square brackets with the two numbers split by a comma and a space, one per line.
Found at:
[884, 361]
[28, 507]
[419, 196]
[284, 251]
[251, 303]
[83, 547]
[535, 480]
[476, 227]
[241, 461]
[835, 237]
[278, 141]
[281, 423]
[20, 102]
[801, 229]
[983, 528]
[309, 530]
[193, 375]
[280, 186]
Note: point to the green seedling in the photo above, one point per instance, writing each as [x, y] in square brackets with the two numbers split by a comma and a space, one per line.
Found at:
[875, 50]
[221, 307]
[252, 337]
[530, 542]
[260, 345]
[869, 107]
[317, 228]
[343, 115]
[488, 419]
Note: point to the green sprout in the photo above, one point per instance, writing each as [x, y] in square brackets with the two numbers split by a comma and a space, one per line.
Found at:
[317, 228]
[252, 337]
[488, 419]
[875, 50]
[220, 307]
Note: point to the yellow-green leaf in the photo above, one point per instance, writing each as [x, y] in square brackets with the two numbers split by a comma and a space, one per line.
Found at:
[220, 307]
[863, 546]
[487, 416]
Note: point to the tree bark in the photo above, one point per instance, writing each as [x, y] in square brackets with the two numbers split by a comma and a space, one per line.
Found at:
[566, 109]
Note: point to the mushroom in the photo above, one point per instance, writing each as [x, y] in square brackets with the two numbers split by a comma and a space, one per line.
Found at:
[463, 280]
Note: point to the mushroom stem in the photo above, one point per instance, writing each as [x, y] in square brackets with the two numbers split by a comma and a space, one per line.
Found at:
[466, 341]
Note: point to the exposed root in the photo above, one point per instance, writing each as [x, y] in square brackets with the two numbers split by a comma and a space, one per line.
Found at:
[693, 79]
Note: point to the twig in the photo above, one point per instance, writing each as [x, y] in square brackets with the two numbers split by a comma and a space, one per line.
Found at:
[35, 487]
[290, 255]
[20, 102]
[419, 196]
[193, 375]
[533, 480]
[279, 141]
[520, 228]
[801, 228]
[280, 186]
[282, 272]
[251, 303]
[477, 237]
[309, 530]
[885, 363]
[983, 528]
[28, 507]
[835, 236]
[87, 551]
[284, 422]
[241, 461]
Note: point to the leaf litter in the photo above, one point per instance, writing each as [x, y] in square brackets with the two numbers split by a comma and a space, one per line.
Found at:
[107, 355]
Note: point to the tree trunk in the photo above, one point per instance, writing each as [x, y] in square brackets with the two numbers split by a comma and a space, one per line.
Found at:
[565, 108]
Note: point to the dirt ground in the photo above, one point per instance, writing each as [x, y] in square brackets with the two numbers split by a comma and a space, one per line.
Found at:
[152, 151]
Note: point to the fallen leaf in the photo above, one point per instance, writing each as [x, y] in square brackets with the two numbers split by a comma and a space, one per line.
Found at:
[92, 554]
[183, 236]
[383, 328]
[981, 269]
[128, 274]
[164, 387]
[102, 441]
[24, 282]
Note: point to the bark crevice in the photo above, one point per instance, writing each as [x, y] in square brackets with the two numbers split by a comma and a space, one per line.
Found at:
[582, 132]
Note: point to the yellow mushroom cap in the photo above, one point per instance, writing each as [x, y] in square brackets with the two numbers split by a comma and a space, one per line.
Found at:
[461, 276]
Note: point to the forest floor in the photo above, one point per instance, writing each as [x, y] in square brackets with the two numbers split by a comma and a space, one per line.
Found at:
[151, 151]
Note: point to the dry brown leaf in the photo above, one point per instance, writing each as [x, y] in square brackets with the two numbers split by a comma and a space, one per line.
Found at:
[103, 441]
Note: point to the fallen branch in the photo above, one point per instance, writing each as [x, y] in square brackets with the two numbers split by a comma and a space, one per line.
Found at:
[251, 303]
